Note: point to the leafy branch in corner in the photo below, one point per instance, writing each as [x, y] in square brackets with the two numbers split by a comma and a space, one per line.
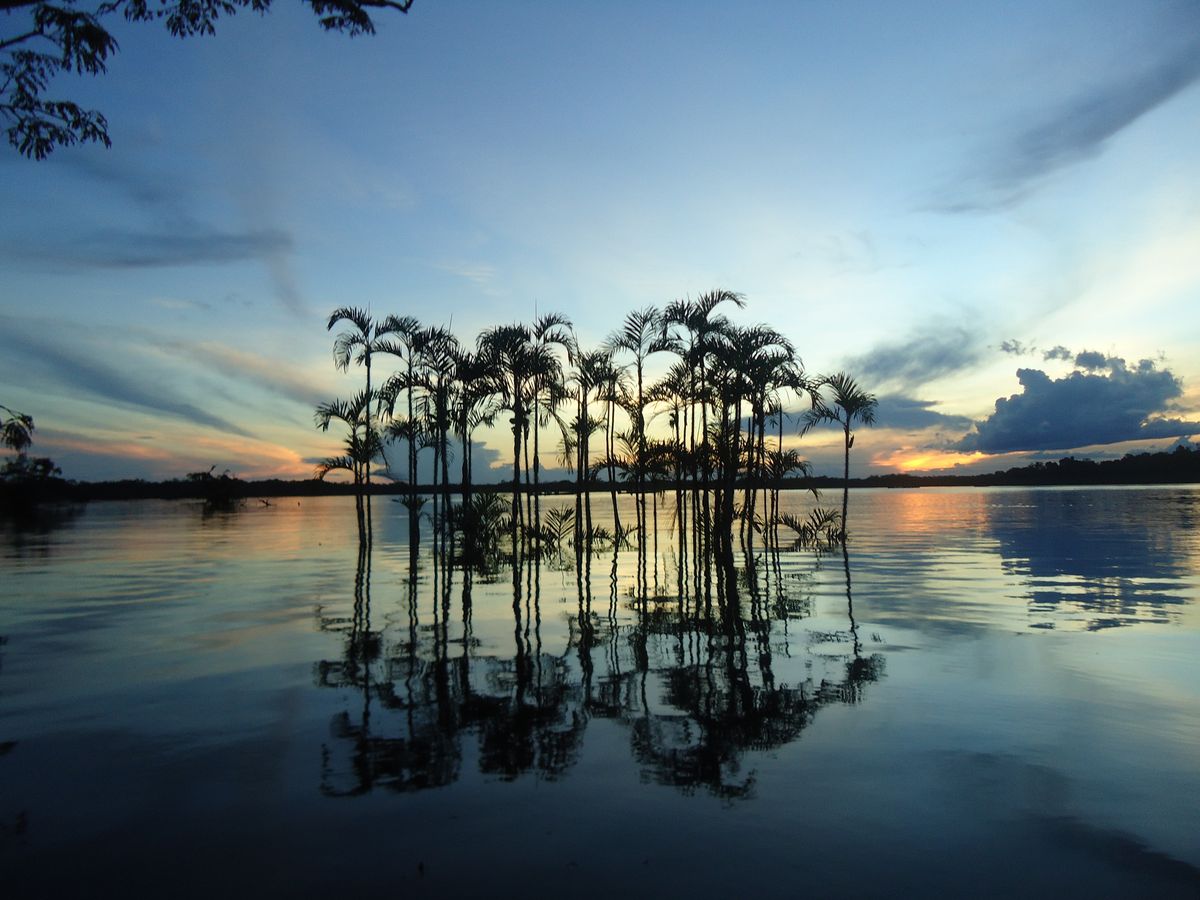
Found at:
[40, 40]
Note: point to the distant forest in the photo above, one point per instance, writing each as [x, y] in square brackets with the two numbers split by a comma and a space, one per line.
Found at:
[1178, 466]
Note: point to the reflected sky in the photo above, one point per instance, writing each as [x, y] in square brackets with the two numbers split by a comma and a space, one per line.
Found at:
[252, 686]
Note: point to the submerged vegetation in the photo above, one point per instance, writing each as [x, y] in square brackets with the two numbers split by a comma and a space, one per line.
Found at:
[697, 676]
[721, 409]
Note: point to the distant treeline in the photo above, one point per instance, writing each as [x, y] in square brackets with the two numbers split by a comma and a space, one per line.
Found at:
[1178, 466]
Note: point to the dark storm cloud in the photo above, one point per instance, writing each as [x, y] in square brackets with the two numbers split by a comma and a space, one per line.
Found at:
[919, 359]
[911, 414]
[1075, 131]
[77, 372]
[1059, 352]
[1081, 409]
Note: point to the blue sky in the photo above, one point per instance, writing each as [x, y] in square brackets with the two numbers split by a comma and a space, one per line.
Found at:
[953, 201]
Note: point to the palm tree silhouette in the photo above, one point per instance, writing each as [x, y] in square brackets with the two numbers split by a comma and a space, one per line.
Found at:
[360, 344]
[16, 431]
[850, 404]
[405, 342]
[362, 444]
[548, 330]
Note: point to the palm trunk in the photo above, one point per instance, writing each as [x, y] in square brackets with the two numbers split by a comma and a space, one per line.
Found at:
[846, 480]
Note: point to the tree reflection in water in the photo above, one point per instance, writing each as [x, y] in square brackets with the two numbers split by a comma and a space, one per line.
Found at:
[686, 664]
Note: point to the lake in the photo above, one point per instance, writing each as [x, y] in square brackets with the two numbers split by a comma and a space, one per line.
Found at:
[993, 692]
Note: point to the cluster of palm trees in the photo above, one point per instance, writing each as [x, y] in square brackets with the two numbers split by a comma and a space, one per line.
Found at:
[723, 395]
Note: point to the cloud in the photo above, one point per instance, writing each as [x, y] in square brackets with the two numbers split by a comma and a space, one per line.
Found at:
[176, 304]
[919, 359]
[911, 414]
[77, 372]
[1074, 131]
[172, 235]
[482, 275]
[1081, 410]
[1015, 347]
[1059, 352]
[849, 253]
[1093, 361]
[192, 245]
[275, 376]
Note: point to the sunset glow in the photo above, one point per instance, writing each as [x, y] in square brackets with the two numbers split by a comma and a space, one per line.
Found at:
[986, 215]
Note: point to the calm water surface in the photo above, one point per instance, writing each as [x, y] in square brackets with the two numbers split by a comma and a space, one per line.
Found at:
[996, 692]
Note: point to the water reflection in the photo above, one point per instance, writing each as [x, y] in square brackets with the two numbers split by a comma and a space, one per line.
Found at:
[678, 650]
[957, 562]
[1099, 558]
[28, 531]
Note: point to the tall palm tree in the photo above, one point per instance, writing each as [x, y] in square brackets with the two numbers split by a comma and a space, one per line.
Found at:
[641, 335]
[549, 329]
[849, 404]
[473, 402]
[693, 329]
[362, 443]
[519, 367]
[438, 364]
[405, 342]
[359, 343]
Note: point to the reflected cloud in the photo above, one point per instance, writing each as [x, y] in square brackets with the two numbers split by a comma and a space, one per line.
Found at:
[1092, 558]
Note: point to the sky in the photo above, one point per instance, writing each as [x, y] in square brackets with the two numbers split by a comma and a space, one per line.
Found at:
[989, 214]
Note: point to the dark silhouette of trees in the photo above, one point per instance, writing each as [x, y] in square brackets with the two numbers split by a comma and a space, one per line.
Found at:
[727, 384]
[849, 404]
[16, 430]
[16, 433]
[50, 38]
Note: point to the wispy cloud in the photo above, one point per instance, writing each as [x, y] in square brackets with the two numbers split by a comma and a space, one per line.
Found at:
[1072, 132]
[75, 371]
[151, 250]
[850, 253]
[480, 274]
[179, 305]
[911, 414]
[169, 235]
[271, 374]
[934, 352]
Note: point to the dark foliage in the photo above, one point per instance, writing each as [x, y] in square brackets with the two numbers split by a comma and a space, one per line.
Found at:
[48, 39]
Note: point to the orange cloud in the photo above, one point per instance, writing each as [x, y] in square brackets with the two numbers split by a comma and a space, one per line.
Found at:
[130, 449]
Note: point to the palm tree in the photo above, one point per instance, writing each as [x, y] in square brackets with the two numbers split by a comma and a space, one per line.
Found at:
[473, 402]
[16, 431]
[439, 350]
[520, 366]
[694, 343]
[850, 404]
[642, 334]
[549, 329]
[360, 343]
[406, 345]
[362, 443]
